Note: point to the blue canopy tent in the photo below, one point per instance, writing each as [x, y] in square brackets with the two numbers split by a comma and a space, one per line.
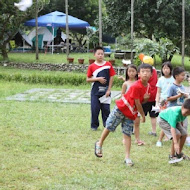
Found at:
[58, 19]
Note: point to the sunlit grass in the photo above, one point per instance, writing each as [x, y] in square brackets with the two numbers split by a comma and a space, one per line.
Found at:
[51, 146]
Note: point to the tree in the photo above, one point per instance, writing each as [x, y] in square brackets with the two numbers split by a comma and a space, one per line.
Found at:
[152, 18]
[11, 19]
[86, 9]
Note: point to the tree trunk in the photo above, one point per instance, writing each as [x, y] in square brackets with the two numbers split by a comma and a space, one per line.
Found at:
[4, 52]
[170, 58]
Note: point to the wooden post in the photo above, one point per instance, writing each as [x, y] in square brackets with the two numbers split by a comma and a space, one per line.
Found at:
[36, 19]
[100, 22]
[132, 28]
[183, 33]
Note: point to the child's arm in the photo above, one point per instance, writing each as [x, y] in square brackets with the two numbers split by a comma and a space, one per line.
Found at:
[124, 88]
[121, 78]
[146, 97]
[158, 96]
[140, 109]
[102, 80]
[176, 145]
[109, 87]
[172, 98]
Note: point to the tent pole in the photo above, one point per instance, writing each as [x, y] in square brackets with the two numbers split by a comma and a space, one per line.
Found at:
[23, 45]
[52, 40]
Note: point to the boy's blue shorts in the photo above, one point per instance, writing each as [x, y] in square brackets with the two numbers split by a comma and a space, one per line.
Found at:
[115, 118]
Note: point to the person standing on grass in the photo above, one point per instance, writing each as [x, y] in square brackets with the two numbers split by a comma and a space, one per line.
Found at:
[131, 77]
[176, 97]
[163, 84]
[100, 74]
[147, 107]
[176, 93]
[126, 110]
[171, 122]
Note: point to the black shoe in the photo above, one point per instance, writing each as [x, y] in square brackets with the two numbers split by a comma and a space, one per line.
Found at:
[182, 155]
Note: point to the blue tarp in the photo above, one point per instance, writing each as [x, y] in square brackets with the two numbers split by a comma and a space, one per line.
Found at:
[58, 19]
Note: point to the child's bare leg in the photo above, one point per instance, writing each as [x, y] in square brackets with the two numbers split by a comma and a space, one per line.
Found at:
[161, 136]
[182, 142]
[172, 153]
[105, 133]
[127, 145]
[153, 122]
[137, 128]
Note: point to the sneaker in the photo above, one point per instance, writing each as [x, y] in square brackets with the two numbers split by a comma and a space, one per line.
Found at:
[182, 155]
[128, 162]
[174, 159]
[153, 134]
[94, 129]
[159, 144]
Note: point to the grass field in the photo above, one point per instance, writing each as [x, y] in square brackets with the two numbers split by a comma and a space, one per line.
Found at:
[61, 58]
[50, 146]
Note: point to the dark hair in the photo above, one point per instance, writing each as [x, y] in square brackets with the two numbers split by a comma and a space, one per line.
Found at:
[126, 74]
[177, 71]
[168, 64]
[186, 104]
[144, 66]
[98, 48]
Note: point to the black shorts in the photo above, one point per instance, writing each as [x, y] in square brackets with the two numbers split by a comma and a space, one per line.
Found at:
[147, 107]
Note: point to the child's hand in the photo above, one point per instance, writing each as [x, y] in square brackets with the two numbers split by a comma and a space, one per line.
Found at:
[102, 80]
[146, 96]
[143, 119]
[108, 93]
[121, 78]
[176, 147]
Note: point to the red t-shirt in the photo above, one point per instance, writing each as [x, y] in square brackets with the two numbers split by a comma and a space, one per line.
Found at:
[105, 70]
[153, 89]
[127, 103]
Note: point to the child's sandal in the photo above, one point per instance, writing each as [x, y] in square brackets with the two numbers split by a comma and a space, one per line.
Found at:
[98, 150]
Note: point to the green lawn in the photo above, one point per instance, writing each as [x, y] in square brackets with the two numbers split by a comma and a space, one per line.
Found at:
[50, 146]
[61, 58]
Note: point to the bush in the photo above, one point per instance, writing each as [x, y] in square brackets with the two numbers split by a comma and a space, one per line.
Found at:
[65, 78]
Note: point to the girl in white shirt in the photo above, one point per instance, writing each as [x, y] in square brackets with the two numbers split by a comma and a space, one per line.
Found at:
[163, 84]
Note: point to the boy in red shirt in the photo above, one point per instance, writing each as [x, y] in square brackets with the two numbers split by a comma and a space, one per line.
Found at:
[147, 107]
[126, 111]
[101, 74]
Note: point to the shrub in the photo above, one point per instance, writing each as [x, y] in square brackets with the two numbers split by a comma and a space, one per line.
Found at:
[65, 78]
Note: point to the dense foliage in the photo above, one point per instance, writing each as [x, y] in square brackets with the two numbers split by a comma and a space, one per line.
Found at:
[11, 19]
[152, 18]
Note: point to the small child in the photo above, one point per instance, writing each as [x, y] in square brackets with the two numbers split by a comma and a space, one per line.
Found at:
[101, 74]
[163, 84]
[170, 121]
[176, 93]
[131, 77]
[147, 107]
[126, 110]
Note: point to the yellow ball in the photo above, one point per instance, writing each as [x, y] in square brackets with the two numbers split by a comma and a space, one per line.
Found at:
[148, 60]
